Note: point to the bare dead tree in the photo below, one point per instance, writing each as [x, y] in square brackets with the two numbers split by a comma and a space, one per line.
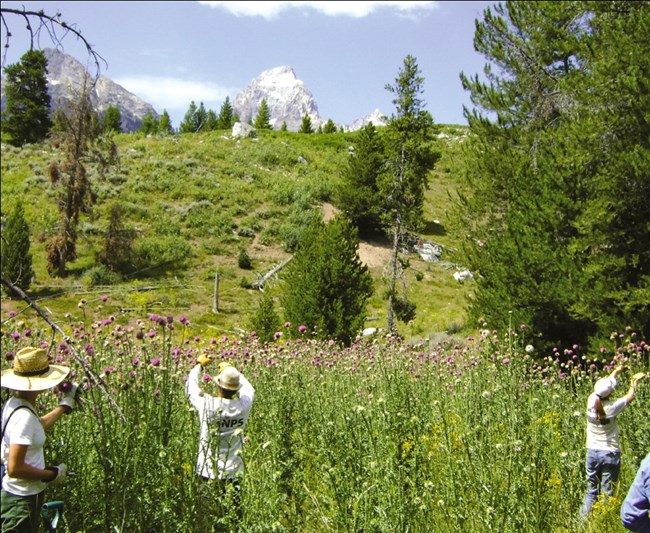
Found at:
[39, 23]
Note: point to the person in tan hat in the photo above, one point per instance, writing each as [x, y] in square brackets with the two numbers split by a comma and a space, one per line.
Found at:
[24, 474]
[222, 419]
[603, 463]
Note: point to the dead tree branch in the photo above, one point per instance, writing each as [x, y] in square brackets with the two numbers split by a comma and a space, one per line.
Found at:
[89, 374]
[56, 29]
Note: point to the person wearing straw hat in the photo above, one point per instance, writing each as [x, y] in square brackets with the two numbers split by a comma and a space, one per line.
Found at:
[636, 506]
[603, 463]
[25, 475]
[222, 419]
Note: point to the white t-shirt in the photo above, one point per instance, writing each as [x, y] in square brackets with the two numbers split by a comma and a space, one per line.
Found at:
[24, 428]
[222, 427]
[604, 436]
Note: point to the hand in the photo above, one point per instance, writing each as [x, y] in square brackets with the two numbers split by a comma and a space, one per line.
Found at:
[636, 377]
[621, 368]
[68, 399]
[204, 359]
[222, 366]
[61, 472]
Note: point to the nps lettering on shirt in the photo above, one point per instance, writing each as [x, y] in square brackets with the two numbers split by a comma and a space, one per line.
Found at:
[232, 423]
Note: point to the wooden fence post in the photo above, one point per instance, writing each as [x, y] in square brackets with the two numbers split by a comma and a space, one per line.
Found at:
[215, 300]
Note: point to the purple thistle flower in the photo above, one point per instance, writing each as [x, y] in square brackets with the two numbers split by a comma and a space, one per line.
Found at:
[104, 298]
[302, 328]
[155, 361]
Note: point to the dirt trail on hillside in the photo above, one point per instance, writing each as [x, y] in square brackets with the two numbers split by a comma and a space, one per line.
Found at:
[374, 255]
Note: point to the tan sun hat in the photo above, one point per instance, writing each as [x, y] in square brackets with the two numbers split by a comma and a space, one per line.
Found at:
[32, 371]
[604, 386]
[229, 379]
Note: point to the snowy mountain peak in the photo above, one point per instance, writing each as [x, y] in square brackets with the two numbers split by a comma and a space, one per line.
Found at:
[376, 117]
[287, 97]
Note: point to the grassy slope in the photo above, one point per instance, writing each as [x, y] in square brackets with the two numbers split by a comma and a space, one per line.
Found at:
[219, 195]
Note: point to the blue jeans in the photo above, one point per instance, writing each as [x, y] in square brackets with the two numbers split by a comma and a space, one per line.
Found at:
[603, 468]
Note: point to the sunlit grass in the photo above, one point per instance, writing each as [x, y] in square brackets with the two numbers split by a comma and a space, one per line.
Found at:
[476, 434]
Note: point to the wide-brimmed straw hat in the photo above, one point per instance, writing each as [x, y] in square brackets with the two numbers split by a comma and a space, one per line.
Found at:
[604, 386]
[32, 371]
[229, 379]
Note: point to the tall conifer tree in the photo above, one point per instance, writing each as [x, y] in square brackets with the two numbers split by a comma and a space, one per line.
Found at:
[263, 117]
[27, 114]
[325, 284]
[16, 257]
[557, 136]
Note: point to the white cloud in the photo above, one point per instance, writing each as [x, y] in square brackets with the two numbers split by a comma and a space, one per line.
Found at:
[355, 9]
[175, 94]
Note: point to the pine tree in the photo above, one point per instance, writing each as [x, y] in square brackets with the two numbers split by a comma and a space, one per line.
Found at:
[165, 124]
[265, 322]
[211, 121]
[410, 158]
[16, 258]
[326, 285]
[149, 125]
[200, 118]
[117, 251]
[79, 137]
[359, 192]
[112, 119]
[329, 127]
[188, 125]
[263, 117]
[557, 246]
[225, 119]
[27, 115]
[305, 126]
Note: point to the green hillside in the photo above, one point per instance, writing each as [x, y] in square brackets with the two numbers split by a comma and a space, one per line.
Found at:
[195, 202]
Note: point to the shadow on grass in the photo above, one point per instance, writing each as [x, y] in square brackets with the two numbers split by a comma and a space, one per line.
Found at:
[434, 228]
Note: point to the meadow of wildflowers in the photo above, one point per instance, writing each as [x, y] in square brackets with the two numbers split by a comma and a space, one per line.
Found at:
[475, 434]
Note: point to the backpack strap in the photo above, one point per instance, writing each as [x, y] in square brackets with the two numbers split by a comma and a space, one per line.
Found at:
[12, 414]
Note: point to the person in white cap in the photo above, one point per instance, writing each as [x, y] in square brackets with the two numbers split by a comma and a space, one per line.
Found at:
[223, 419]
[636, 506]
[24, 474]
[603, 462]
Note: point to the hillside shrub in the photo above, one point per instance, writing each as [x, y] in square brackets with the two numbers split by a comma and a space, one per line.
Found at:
[16, 256]
[244, 260]
[162, 251]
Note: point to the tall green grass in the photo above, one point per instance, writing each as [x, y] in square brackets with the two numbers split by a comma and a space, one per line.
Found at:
[477, 434]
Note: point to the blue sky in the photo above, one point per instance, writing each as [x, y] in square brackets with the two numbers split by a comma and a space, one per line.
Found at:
[170, 53]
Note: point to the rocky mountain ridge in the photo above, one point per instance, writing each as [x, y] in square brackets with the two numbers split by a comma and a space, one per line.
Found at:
[65, 77]
[287, 97]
